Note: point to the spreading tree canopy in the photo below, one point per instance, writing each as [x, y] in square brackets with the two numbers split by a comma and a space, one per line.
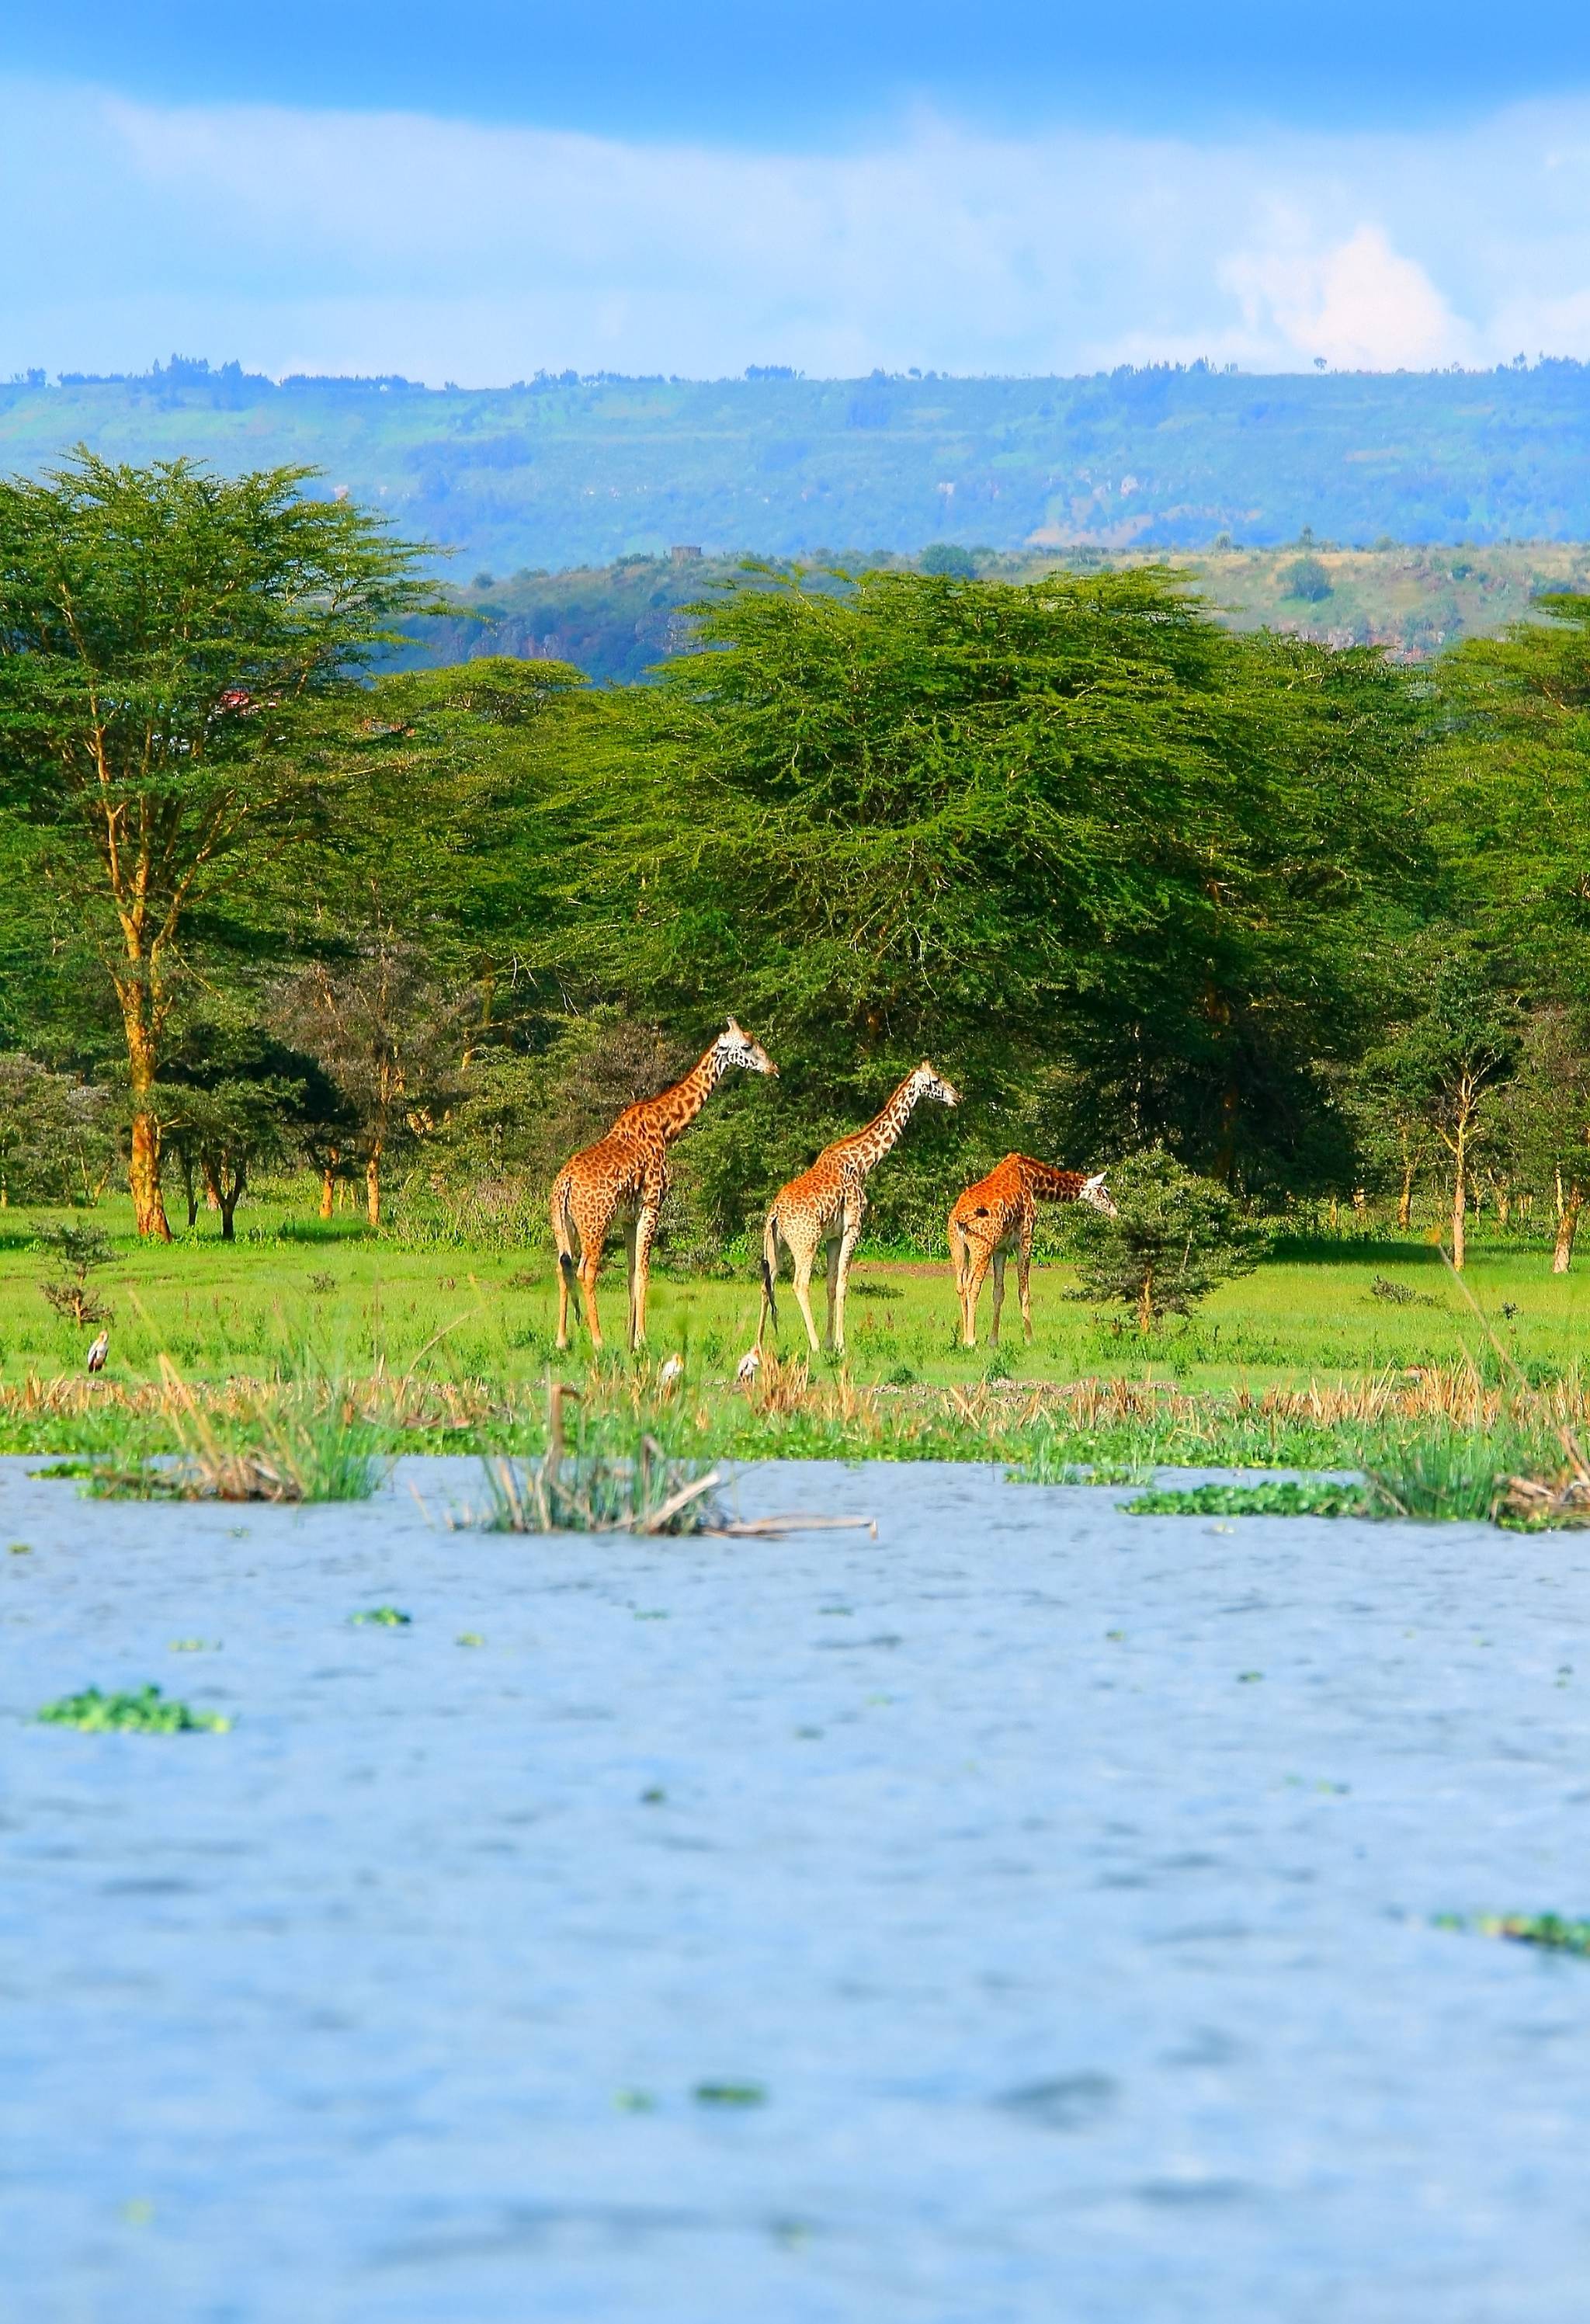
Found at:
[169, 645]
[1074, 820]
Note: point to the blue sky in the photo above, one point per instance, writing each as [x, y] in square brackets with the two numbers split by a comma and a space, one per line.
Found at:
[473, 194]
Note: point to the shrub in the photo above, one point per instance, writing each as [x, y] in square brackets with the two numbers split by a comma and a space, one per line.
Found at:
[1175, 1236]
[1308, 579]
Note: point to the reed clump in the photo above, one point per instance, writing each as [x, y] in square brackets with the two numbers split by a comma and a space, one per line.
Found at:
[592, 1490]
[282, 1449]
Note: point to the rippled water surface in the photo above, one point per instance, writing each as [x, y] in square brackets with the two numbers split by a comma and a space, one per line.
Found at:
[1063, 1881]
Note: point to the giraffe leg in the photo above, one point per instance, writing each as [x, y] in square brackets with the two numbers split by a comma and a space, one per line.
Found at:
[640, 1266]
[632, 1237]
[839, 1278]
[803, 1257]
[831, 1255]
[1023, 1269]
[999, 1298]
[975, 1275]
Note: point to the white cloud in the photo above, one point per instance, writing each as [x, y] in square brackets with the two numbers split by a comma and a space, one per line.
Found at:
[1359, 305]
[345, 241]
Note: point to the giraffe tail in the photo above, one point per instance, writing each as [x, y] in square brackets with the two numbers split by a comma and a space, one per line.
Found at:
[959, 1251]
[563, 1228]
[769, 1271]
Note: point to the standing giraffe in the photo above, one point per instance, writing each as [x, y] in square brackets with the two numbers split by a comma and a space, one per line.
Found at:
[625, 1174]
[996, 1217]
[827, 1203]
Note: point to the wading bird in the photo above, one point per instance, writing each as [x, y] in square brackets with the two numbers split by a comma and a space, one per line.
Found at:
[100, 1350]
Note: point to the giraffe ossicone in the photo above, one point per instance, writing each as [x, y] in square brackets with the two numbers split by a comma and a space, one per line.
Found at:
[824, 1207]
[624, 1178]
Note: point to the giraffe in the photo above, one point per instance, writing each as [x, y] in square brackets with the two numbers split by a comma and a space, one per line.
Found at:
[625, 1174]
[826, 1205]
[997, 1216]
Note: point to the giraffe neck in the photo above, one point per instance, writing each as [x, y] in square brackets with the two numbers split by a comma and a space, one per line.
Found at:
[675, 1109]
[867, 1148]
[1052, 1186]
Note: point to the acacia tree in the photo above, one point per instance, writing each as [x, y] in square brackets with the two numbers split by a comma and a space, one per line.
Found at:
[1546, 1113]
[1076, 821]
[171, 643]
[387, 1033]
[1448, 1065]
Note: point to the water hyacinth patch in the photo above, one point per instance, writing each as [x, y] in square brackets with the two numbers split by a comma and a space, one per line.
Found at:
[1275, 1498]
[143, 1711]
[383, 1618]
[1551, 1930]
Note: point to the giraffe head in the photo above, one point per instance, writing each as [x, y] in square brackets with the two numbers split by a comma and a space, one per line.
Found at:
[734, 1046]
[925, 1082]
[1095, 1196]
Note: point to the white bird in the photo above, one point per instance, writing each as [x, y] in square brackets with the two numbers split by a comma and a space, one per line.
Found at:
[100, 1350]
[749, 1365]
[672, 1372]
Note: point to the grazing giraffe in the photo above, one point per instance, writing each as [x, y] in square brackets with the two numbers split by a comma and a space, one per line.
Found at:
[997, 1216]
[827, 1203]
[625, 1174]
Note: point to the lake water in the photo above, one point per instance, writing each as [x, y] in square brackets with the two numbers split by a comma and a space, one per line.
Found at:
[1063, 1880]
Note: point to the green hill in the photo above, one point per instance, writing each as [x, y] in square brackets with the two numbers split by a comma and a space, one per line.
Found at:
[567, 470]
[615, 622]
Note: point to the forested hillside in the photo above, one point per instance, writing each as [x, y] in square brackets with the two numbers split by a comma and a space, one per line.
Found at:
[616, 622]
[568, 471]
[1316, 920]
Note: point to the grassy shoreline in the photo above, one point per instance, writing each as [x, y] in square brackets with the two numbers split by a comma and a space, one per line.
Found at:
[291, 1292]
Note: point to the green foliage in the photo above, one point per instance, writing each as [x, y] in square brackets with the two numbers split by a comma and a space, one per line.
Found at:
[383, 1618]
[303, 1443]
[948, 560]
[1174, 1238]
[1551, 1930]
[145, 1711]
[1108, 865]
[1306, 579]
[1447, 1477]
[78, 1251]
[643, 1491]
[57, 1141]
[1310, 1497]
[794, 465]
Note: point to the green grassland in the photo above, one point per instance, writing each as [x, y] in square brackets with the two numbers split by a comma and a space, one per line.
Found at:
[292, 1290]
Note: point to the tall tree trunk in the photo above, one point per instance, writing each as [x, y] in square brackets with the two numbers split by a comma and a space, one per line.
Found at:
[328, 1189]
[1405, 1199]
[372, 1186]
[143, 1161]
[212, 1188]
[144, 1178]
[1568, 1228]
[228, 1194]
[1460, 1207]
[1145, 1303]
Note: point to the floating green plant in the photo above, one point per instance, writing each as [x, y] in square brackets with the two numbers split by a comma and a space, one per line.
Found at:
[384, 1618]
[730, 2094]
[1548, 1930]
[1273, 1498]
[143, 1711]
